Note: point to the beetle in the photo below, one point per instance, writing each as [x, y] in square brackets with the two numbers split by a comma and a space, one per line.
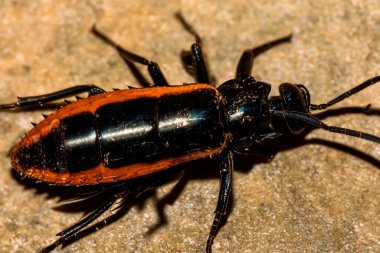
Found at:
[104, 141]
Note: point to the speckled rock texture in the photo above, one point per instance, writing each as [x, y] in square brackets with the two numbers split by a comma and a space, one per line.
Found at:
[320, 193]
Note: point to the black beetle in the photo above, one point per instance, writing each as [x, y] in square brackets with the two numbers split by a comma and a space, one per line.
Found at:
[133, 137]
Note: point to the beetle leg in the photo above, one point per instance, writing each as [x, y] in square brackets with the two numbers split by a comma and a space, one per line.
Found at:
[71, 231]
[226, 169]
[50, 97]
[195, 64]
[188, 27]
[246, 60]
[256, 150]
[198, 61]
[137, 74]
[194, 61]
[129, 57]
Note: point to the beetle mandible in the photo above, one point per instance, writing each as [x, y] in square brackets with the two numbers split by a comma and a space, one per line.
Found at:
[103, 140]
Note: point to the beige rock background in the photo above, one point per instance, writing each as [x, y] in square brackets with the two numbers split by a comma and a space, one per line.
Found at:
[310, 198]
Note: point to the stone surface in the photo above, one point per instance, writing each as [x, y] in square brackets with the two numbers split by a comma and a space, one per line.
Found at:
[315, 196]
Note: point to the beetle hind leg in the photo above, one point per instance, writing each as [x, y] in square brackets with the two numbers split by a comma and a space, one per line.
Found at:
[122, 192]
[44, 99]
[71, 231]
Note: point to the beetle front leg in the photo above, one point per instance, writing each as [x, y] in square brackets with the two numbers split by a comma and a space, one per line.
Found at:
[226, 168]
[257, 151]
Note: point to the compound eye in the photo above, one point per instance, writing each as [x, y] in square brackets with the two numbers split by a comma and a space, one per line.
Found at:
[293, 99]
[306, 95]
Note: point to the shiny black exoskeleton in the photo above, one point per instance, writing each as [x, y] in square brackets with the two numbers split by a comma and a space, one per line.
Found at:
[106, 141]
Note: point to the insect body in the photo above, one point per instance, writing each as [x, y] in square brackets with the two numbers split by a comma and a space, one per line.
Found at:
[131, 138]
[103, 139]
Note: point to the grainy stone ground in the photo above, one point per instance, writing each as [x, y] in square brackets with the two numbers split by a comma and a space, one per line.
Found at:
[315, 196]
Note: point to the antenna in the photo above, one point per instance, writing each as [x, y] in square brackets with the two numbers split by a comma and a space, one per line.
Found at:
[347, 94]
[310, 119]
